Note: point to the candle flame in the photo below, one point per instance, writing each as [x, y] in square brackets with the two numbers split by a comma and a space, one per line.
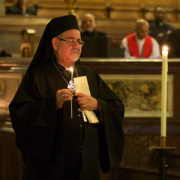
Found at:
[71, 69]
[165, 48]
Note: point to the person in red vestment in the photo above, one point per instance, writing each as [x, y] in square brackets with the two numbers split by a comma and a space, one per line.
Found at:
[139, 44]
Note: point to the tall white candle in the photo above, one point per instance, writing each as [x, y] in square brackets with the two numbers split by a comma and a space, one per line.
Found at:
[164, 90]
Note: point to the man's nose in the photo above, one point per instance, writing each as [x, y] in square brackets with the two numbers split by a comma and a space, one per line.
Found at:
[76, 44]
[88, 22]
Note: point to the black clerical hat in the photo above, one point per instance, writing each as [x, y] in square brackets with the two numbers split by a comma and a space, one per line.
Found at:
[55, 27]
[62, 24]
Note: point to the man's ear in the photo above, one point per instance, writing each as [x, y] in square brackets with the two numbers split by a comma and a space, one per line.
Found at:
[55, 43]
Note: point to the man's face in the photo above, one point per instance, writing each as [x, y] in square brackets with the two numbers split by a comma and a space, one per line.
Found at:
[68, 53]
[160, 14]
[142, 31]
[89, 23]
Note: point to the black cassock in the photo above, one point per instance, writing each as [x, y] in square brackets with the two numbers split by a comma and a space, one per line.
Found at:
[54, 146]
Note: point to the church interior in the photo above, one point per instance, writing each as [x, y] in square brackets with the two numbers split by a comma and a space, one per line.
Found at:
[136, 81]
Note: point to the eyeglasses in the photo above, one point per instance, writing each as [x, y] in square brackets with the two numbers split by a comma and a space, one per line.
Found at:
[71, 42]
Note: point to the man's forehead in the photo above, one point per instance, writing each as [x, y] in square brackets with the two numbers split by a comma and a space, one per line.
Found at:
[87, 18]
[142, 26]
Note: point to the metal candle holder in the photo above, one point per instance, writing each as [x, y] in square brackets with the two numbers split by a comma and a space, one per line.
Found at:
[162, 151]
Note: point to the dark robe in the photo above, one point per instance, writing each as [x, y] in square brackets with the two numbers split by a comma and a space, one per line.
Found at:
[54, 146]
[173, 41]
[93, 34]
[95, 44]
[156, 28]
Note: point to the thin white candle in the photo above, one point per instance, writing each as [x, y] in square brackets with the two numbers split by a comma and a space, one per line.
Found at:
[71, 110]
[164, 90]
[71, 69]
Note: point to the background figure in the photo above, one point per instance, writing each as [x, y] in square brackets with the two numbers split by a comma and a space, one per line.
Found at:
[56, 145]
[89, 27]
[158, 29]
[173, 41]
[96, 42]
[140, 44]
[22, 8]
[3, 53]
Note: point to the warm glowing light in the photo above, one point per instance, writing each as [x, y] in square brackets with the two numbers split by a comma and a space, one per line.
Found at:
[71, 69]
[165, 50]
[31, 31]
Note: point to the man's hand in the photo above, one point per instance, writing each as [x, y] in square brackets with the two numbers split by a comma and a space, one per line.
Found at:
[86, 102]
[63, 95]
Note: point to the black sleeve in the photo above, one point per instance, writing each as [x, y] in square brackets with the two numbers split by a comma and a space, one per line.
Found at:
[34, 120]
[111, 129]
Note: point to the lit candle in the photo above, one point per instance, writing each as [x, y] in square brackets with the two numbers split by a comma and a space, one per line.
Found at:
[71, 69]
[164, 90]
